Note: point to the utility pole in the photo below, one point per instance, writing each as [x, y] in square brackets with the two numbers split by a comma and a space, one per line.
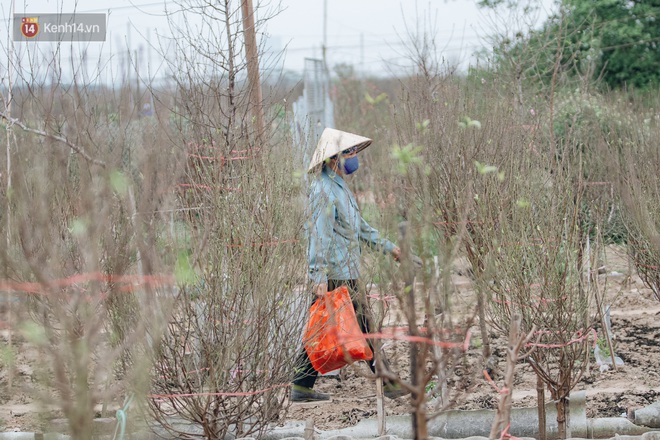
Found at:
[362, 74]
[256, 99]
[10, 98]
[149, 57]
[138, 98]
[152, 107]
[129, 47]
[325, 33]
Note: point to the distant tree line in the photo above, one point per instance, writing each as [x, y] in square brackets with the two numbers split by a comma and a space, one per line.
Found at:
[614, 41]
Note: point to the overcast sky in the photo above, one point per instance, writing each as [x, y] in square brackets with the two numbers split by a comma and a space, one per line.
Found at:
[370, 34]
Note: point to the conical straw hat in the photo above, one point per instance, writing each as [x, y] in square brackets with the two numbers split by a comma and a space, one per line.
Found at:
[334, 142]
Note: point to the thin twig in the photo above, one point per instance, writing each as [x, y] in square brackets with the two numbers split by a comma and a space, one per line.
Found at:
[67, 142]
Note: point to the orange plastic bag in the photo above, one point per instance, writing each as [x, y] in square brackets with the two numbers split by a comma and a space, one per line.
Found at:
[333, 337]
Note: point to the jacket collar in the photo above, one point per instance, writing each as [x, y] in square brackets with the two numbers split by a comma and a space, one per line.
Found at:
[334, 176]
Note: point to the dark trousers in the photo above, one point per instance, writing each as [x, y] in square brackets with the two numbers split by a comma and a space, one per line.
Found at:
[305, 374]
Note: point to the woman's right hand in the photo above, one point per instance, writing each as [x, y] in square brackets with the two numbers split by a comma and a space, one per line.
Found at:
[320, 290]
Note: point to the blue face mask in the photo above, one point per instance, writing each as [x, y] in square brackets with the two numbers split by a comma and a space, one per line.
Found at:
[351, 165]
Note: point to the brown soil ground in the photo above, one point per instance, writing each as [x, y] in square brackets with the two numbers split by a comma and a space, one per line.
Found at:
[635, 316]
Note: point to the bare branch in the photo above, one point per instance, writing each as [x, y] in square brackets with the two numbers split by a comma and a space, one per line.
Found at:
[64, 140]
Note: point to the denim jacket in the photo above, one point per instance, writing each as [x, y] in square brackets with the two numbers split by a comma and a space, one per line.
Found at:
[336, 231]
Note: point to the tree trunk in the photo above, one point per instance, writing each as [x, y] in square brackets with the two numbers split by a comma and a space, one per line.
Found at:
[478, 269]
[540, 398]
[482, 325]
[417, 360]
[419, 422]
[563, 391]
[419, 408]
[563, 428]
[503, 415]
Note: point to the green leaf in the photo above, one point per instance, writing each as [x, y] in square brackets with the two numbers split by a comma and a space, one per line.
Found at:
[522, 203]
[466, 122]
[7, 358]
[33, 332]
[406, 157]
[78, 227]
[422, 126]
[377, 100]
[183, 271]
[485, 169]
[118, 182]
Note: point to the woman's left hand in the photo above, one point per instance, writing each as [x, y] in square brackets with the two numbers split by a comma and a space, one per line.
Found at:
[396, 253]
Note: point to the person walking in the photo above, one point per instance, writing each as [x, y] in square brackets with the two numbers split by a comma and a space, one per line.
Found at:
[336, 233]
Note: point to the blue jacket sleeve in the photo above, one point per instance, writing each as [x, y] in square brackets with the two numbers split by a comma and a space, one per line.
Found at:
[320, 233]
[371, 237]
